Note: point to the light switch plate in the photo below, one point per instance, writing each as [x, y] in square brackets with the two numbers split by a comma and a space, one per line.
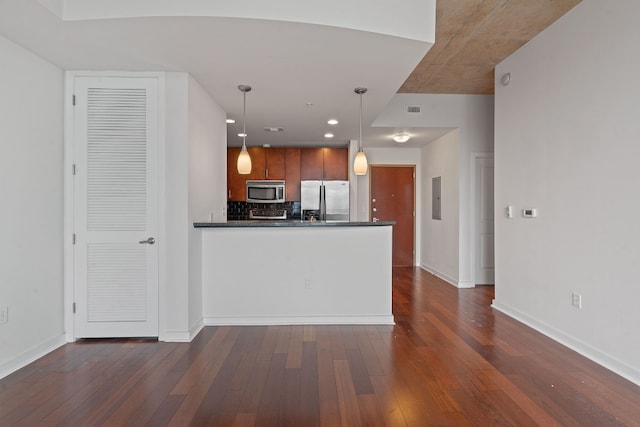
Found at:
[4, 315]
[508, 212]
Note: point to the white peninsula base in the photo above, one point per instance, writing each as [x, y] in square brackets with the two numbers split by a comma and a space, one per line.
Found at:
[297, 275]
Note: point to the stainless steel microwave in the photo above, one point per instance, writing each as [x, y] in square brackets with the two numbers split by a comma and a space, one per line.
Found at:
[270, 191]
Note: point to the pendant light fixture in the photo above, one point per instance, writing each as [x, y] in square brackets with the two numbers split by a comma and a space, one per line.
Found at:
[244, 160]
[360, 162]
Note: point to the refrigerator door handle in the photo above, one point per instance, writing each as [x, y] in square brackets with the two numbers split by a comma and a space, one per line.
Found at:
[323, 203]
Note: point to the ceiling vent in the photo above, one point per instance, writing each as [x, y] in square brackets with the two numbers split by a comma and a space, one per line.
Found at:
[413, 109]
[273, 129]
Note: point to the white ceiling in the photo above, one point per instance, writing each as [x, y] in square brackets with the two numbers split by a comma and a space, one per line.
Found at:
[288, 64]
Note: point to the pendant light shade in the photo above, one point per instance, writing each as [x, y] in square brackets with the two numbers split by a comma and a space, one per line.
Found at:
[244, 160]
[360, 162]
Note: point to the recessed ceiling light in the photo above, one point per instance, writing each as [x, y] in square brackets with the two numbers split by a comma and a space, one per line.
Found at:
[401, 138]
[230, 121]
[328, 135]
[242, 135]
[332, 122]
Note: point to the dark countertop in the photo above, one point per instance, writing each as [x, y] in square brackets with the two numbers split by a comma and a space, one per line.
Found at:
[288, 223]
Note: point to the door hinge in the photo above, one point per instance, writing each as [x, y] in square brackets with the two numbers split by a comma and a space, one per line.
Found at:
[73, 100]
[73, 169]
[74, 308]
[73, 239]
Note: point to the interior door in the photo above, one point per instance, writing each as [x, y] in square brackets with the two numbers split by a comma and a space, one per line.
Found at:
[484, 245]
[115, 207]
[393, 199]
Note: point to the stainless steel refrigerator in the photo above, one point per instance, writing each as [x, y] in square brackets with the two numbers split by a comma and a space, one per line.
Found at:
[329, 200]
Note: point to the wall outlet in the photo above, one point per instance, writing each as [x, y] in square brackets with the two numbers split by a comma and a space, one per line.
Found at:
[308, 284]
[4, 315]
[576, 300]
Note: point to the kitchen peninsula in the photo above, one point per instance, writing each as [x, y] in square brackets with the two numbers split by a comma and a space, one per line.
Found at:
[296, 272]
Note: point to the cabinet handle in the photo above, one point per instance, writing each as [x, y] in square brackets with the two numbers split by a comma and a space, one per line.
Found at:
[229, 194]
[266, 173]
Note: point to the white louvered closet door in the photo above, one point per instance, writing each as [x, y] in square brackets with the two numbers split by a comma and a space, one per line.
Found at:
[116, 207]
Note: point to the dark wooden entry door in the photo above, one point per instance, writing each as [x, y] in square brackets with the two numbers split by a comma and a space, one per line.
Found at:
[393, 199]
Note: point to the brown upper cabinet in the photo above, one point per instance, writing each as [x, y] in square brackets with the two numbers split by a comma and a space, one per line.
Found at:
[266, 163]
[275, 163]
[335, 163]
[235, 181]
[291, 164]
[324, 163]
[292, 173]
[311, 163]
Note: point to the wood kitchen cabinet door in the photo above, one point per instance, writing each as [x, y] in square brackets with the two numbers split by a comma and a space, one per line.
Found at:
[335, 163]
[235, 181]
[274, 163]
[258, 163]
[324, 163]
[311, 163]
[266, 163]
[292, 173]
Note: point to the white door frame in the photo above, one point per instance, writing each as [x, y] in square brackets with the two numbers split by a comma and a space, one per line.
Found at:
[472, 228]
[70, 77]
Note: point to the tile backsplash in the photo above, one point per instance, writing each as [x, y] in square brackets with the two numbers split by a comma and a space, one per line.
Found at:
[240, 210]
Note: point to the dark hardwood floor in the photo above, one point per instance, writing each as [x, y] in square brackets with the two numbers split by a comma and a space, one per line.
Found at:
[450, 361]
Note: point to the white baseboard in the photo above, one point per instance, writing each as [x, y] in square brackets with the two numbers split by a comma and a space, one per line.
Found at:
[450, 280]
[466, 285]
[32, 355]
[195, 329]
[175, 336]
[603, 359]
[182, 336]
[300, 320]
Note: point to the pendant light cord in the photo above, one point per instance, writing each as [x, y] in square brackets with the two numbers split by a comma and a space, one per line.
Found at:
[244, 119]
[360, 140]
[244, 89]
[360, 91]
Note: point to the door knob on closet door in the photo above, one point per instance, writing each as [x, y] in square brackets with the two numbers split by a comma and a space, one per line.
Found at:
[149, 241]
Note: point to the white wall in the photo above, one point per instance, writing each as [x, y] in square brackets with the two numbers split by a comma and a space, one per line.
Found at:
[390, 156]
[31, 218]
[174, 323]
[440, 238]
[195, 189]
[567, 133]
[274, 275]
[414, 19]
[207, 183]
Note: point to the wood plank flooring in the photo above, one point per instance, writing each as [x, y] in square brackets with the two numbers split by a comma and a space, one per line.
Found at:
[450, 361]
